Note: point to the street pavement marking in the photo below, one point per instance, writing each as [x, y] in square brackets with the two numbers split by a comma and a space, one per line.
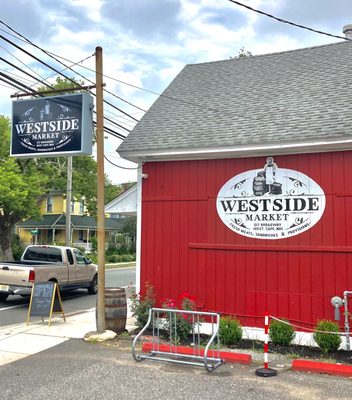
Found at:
[9, 308]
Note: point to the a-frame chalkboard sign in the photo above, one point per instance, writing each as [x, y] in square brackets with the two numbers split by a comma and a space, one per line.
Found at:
[45, 301]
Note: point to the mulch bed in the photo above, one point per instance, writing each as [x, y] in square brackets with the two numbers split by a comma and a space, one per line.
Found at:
[297, 351]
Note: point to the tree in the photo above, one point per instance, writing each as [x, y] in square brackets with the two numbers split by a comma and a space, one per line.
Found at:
[22, 185]
[25, 182]
[243, 53]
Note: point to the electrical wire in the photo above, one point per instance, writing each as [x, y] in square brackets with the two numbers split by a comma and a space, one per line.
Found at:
[54, 56]
[25, 65]
[284, 21]
[27, 73]
[17, 82]
[60, 73]
[12, 85]
[120, 166]
[19, 85]
[51, 87]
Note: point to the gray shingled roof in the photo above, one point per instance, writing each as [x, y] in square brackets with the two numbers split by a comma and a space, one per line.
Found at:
[58, 221]
[289, 97]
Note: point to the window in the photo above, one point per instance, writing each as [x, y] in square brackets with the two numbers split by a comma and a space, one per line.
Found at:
[49, 204]
[43, 253]
[80, 259]
[69, 256]
[81, 207]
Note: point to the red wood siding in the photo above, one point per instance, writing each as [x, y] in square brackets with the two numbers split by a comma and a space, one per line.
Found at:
[186, 246]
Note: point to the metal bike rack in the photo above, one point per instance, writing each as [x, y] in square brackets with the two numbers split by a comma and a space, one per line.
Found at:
[167, 351]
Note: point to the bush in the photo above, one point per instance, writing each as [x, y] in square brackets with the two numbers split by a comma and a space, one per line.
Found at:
[17, 248]
[140, 305]
[328, 342]
[281, 333]
[230, 331]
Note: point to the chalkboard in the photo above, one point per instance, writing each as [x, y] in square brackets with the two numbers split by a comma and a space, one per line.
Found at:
[45, 300]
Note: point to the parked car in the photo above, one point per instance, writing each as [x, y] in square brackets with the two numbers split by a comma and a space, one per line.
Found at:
[67, 266]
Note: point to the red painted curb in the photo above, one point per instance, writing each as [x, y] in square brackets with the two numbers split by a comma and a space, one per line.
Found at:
[321, 367]
[231, 358]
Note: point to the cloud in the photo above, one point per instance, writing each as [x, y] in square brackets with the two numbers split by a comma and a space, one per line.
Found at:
[322, 15]
[148, 42]
[29, 18]
[157, 19]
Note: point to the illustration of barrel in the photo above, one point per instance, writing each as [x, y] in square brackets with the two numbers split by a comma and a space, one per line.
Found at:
[276, 188]
[259, 184]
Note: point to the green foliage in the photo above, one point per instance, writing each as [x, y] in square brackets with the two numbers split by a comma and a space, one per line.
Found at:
[281, 333]
[120, 258]
[230, 331]
[141, 303]
[17, 248]
[328, 342]
[243, 53]
[22, 186]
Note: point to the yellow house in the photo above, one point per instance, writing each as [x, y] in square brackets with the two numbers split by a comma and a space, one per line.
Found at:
[51, 228]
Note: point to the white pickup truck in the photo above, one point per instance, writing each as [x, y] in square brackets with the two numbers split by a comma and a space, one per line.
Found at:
[66, 266]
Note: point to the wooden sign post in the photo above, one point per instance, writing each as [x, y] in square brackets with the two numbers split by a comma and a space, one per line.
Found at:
[45, 301]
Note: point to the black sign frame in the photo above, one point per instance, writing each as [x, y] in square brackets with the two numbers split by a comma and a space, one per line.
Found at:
[45, 301]
[52, 126]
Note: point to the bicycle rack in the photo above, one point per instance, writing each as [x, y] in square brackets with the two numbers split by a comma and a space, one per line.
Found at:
[209, 358]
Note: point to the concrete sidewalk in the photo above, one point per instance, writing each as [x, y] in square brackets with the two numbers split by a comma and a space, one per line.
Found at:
[22, 340]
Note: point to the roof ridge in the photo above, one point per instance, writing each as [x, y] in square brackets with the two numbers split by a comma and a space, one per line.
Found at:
[269, 54]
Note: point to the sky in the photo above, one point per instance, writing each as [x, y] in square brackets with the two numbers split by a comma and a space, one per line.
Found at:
[146, 43]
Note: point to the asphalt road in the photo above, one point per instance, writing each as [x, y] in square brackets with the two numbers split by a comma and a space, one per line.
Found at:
[15, 309]
[80, 370]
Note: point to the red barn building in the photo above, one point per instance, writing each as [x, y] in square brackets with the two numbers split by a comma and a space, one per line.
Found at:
[245, 189]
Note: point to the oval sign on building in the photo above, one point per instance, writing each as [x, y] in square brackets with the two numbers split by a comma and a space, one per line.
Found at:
[270, 203]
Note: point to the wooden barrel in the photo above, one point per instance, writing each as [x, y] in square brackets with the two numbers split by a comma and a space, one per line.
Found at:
[115, 309]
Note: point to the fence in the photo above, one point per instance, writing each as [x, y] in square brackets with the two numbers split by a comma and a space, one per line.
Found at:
[165, 326]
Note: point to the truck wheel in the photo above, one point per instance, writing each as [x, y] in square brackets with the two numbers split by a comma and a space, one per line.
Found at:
[3, 296]
[93, 288]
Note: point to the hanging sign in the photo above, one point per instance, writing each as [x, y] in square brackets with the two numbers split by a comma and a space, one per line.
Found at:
[52, 126]
[45, 301]
[270, 203]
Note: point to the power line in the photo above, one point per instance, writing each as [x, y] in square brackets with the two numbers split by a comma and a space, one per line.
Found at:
[60, 73]
[12, 85]
[27, 66]
[21, 86]
[284, 21]
[54, 56]
[106, 76]
[120, 166]
[17, 82]
[24, 72]
[52, 87]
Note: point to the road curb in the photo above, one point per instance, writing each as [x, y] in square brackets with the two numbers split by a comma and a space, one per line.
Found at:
[321, 368]
[228, 357]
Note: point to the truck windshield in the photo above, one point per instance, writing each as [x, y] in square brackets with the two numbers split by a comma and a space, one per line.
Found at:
[46, 254]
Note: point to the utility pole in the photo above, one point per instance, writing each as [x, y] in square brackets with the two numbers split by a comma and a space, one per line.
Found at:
[68, 201]
[100, 189]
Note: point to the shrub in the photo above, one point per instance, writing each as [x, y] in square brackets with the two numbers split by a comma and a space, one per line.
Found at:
[230, 331]
[328, 342]
[113, 258]
[17, 248]
[281, 333]
[140, 305]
